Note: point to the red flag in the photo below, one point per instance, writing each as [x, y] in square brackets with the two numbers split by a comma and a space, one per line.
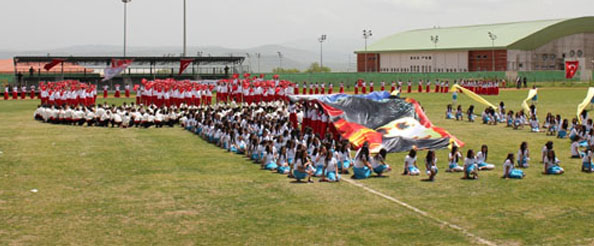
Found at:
[52, 64]
[571, 68]
[183, 64]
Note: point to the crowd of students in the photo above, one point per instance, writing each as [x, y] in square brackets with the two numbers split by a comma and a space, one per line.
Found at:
[580, 132]
[19, 92]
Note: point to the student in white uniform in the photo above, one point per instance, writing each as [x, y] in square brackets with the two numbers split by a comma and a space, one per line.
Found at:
[269, 161]
[410, 164]
[431, 165]
[523, 155]
[470, 166]
[575, 150]
[378, 163]
[300, 170]
[282, 161]
[330, 168]
[453, 158]
[551, 164]
[482, 157]
[362, 167]
[509, 171]
[587, 161]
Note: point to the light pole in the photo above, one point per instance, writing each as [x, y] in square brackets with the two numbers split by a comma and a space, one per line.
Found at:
[249, 57]
[434, 40]
[258, 55]
[321, 40]
[125, 22]
[366, 35]
[492, 36]
[280, 59]
[185, 36]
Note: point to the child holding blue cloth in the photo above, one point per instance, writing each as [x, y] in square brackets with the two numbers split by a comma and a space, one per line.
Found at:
[453, 158]
[587, 161]
[470, 166]
[481, 157]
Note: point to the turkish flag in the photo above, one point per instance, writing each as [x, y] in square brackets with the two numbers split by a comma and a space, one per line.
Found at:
[52, 64]
[571, 68]
[183, 64]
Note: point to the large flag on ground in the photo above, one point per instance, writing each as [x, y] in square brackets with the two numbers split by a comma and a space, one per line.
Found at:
[117, 67]
[571, 68]
[393, 123]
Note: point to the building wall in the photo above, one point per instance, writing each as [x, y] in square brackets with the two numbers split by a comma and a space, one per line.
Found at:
[373, 62]
[424, 62]
[482, 60]
[552, 56]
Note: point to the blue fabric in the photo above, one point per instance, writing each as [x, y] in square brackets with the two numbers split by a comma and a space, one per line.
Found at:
[332, 176]
[453, 165]
[470, 169]
[299, 175]
[345, 164]
[233, 149]
[584, 144]
[283, 169]
[412, 169]
[562, 134]
[523, 162]
[254, 156]
[270, 166]
[554, 170]
[587, 165]
[449, 116]
[362, 173]
[483, 164]
[380, 169]
[486, 119]
[516, 174]
[290, 161]
[319, 171]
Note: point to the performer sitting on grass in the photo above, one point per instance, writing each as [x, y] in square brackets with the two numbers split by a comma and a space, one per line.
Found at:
[482, 157]
[410, 164]
[362, 168]
[470, 166]
[378, 163]
[508, 168]
[453, 158]
[523, 155]
[551, 164]
[431, 165]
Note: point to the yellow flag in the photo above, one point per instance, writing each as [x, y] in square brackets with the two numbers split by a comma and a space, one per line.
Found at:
[585, 103]
[472, 95]
[532, 93]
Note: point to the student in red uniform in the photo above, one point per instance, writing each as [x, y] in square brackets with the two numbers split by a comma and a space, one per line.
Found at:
[105, 87]
[330, 88]
[323, 88]
[364, 87]
[304, 90]
[127, 91]
[420, 86]
[15, 93]
[357, 87]
[371, 87]
[117, 91]
[6, 93]
[383, 88]
[23, 92]
[428, 86]
[409, 90]
[393, 87]
[341, 90]
[32, 92]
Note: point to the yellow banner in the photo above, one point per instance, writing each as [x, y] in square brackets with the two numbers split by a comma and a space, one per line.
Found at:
[472, 95]
[532, 93]
[585, 103]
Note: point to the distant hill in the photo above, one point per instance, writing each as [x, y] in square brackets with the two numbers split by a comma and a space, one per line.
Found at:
[338, 54]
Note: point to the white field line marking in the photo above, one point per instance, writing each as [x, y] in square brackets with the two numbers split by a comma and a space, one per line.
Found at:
[423, 213]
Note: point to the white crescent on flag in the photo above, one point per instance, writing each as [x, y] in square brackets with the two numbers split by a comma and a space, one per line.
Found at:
[117, 67]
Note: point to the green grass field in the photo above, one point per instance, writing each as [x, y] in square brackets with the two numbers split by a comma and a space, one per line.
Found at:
[168, 187]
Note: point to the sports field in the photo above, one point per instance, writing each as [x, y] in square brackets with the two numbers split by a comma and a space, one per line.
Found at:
[168, 187]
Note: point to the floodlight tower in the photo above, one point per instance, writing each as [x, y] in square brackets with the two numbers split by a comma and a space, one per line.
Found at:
[434, 40]
[366, 35]
[321, 39]
[125, 22]
[492, 36]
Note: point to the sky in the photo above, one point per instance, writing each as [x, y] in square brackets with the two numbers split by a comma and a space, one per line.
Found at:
[46, 24]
